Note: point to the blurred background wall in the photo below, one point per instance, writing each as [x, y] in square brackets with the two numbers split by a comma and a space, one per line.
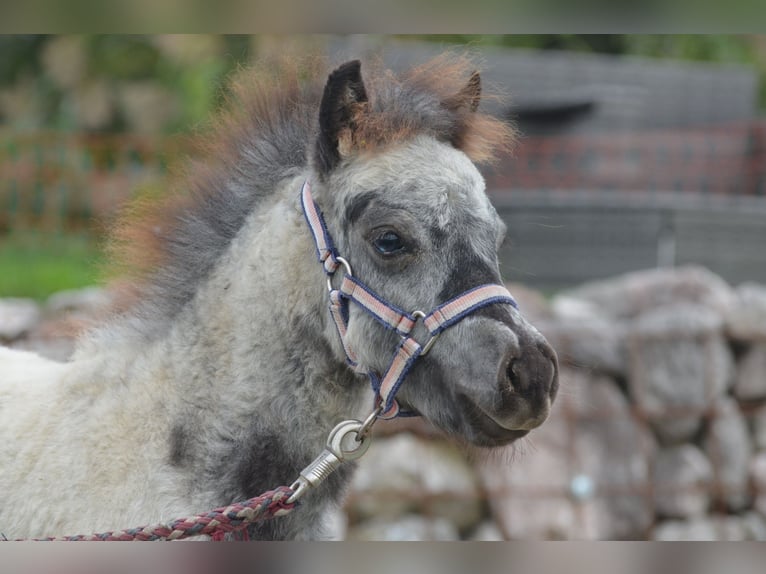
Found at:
[637, 151]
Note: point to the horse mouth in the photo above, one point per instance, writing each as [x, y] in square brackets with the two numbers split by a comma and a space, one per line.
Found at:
[483, 430]
[486, 430]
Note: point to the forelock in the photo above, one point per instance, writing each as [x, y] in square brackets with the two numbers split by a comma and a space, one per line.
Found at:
[422, 175]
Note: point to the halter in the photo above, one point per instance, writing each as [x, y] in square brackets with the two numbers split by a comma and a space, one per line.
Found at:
[385, 386]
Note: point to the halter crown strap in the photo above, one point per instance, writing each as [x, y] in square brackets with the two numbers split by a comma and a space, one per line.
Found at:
[388, 315]
[326, 252]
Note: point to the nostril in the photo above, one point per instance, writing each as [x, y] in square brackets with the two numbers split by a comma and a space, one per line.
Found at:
[550, 354]
[534, 372]
[512, 376]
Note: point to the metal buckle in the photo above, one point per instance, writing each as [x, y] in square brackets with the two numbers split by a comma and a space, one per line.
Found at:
[366, 427]
[432, 339]
[349, 440]
[346, 268]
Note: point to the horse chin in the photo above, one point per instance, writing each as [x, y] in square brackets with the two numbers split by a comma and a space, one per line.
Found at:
[477, 427]
[486, 431]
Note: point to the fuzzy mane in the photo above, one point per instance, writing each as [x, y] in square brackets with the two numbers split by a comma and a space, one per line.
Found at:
[162, 248]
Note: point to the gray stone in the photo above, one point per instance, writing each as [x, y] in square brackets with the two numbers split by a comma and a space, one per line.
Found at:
[703, 528]
[404, 473]
[590, 342]
[750, 382]
[697, 529]
[758, 478]
[57, 349]
[487, 532]
[20, 104]
[760, 504]
[531, 302]
[635, 293]
[757, 421]
[682, 319]
[90, 300]
[189, 50]
[148, 108]
[567, 306]
[754, 525]
[682, 481]
[527, 488]
[758, 471]
[417, 426]
[730, 528]
[65, 60]
[746, 318]
[65, 315]
[335, 524]
[727, 444]
[17, 317]
[614, 448]
[590, 438]
[93, 104]
[407, 528]
[678, 364]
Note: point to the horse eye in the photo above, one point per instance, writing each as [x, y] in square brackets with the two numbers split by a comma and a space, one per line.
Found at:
[388, 243]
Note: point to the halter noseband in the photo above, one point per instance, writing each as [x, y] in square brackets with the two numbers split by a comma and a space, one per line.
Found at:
[391, 317]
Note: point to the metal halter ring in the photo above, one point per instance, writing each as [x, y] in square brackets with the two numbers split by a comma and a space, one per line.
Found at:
[432, 339]
[366, 427]
[343, 444]
[346, 268]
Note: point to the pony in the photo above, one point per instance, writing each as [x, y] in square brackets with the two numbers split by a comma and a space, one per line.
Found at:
[221, 371]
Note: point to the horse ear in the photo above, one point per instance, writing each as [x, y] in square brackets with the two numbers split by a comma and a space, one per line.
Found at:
[473, 91]
[469, 95]
[343, 92]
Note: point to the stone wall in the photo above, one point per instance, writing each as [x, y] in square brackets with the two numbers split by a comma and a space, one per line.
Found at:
[658, 432]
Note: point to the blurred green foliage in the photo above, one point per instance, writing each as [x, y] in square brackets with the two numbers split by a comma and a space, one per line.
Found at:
[51, 77]
[19, 55]
[99, 82]
[700, 47]
[159, 84]
[38, 264]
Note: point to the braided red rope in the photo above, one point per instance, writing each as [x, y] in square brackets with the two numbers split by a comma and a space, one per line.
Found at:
[215, 523]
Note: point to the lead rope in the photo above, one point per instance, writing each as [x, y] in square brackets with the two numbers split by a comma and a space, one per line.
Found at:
[217, 523]
[347, 441]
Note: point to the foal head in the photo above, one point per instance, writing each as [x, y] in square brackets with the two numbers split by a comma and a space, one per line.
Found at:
[393, 173]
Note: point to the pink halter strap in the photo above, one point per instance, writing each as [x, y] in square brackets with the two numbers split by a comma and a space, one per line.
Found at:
[391, 317]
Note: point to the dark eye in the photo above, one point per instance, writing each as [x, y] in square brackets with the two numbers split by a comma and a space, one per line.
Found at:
[388, 242]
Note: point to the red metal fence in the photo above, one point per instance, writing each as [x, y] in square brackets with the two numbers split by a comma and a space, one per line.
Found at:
[60, 181]
[726, 159]
[56, 181]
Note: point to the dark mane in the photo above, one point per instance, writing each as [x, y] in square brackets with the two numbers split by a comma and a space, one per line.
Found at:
[161, 249]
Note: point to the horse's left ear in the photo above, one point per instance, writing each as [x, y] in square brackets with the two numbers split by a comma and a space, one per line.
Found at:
[343, 92]
[469, 96]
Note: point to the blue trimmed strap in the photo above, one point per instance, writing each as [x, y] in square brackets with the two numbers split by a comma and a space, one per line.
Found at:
[390, 316]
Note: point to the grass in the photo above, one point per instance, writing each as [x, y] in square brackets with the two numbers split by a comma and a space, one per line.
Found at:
[35, 265]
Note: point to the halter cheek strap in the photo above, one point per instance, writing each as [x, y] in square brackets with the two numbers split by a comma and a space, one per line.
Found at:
[391, 317]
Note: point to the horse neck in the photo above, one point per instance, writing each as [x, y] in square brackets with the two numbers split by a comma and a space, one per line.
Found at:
[251, 362]
[263, 313]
